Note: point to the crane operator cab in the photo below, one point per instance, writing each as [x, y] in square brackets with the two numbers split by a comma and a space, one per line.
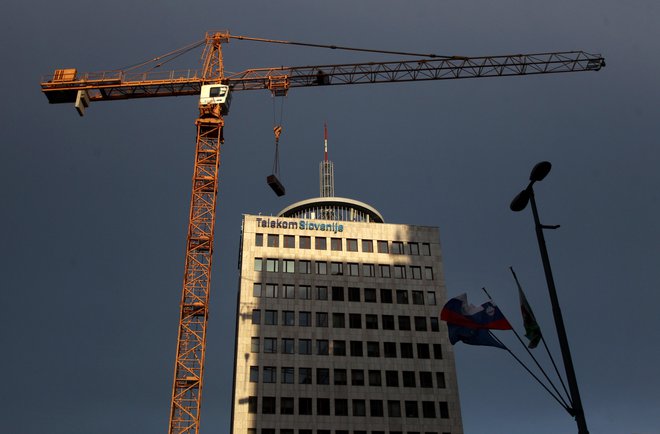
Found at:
[216, 94]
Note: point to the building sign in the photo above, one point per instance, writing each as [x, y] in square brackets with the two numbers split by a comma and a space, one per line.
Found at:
[302, 224]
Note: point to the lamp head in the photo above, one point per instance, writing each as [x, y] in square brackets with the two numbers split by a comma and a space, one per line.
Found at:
[520, 201]
[540, 171]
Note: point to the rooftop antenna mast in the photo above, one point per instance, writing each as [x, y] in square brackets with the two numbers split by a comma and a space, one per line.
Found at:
[326, 169]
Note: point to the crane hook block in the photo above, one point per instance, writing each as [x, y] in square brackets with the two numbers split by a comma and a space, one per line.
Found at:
[278, 131]
[276, 185]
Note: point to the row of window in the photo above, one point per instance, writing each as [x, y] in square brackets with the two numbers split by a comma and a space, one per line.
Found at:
[338, 320]
[338, 293]
[340, 377]
[358, 407]
[327, 431]
[325, 347]
[350, 244]
[274, 265]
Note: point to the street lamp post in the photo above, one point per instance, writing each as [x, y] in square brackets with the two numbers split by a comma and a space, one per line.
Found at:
[518, 204]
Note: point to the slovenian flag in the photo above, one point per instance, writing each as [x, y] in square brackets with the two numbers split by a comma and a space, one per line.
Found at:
[488, 316]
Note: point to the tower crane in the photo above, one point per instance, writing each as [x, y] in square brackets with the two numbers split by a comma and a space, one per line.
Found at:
[215, 88]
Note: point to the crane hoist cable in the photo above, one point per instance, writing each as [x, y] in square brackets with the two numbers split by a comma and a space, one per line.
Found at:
[273, 180]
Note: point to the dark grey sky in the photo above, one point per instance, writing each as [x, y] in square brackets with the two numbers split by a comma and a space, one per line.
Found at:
[94, 210]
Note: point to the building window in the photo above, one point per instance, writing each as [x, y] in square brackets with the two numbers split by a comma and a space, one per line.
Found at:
[418, 297]
[376, 408]
[428, 409]
[425, 379]
[321, 267]
[288, 346]
[414, 248]
[356, 348]
[351, 245]
[272, 265]
[256, 290]
[337, 268]
[340, 377]
[321, 292]
[369, 295]
[305, 319]
[337, 293]
[305, 407]
[392, 378]
[406, 350]
[288, 318]
[426, 249]
[404, 322]
[357, 377]
[444, 410]
[270, 317]
[374, 378]
[304, 375]
[401, 296]
[335, 244]
[305, 292]
[399, 271]
[254, 374]
[359, 407]
[355, 320]
[271, 290]
[371, 321]
[270, 374]
[320, 243]
[286, 405]
[338, 321]
[268, 405]
[258, 240]
[385, 295]
[435, 326]
[397, 248]
[256, 316]
[341, 407]
[367, 246]
[323, 407]
[408, 378]
[322, 347]
[416, 272]
[373, 349]
[305, 242]
[304, 267]
[440, 380]
[338, 348]
[428, 273]
[252, 404]
[389, 349]
[304, 346]
[288, 266]
[287, 375]
[288, 291]
[420, 323]
[368, 270]
[388, 322]
[273, 240]
[423, 351]
[385, 271]
[290, 241]
[322, 376]
[353, 269]
[430, 298]
[321, 319]
[411, 409]
[382, 246]
[393, 409]
[437, 351]
[254, 345]
[353, 294]
[258, 264]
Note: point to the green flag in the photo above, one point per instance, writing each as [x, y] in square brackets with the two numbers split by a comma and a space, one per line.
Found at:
[532, 329]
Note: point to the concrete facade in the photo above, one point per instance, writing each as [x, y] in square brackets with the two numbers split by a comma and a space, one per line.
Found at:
[344, 339]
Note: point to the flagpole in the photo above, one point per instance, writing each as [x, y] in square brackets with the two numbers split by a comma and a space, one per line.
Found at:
[538, 365]
[518, 204]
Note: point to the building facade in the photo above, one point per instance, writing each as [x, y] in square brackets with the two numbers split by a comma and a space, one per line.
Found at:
[338, 328]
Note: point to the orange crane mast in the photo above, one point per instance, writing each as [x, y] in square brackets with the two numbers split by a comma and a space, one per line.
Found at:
[215, 90]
